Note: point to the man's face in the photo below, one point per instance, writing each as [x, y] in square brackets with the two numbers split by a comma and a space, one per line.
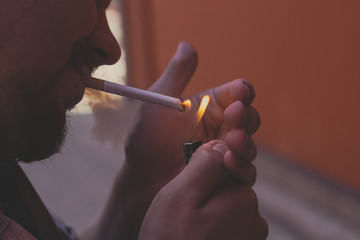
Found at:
[47, 49]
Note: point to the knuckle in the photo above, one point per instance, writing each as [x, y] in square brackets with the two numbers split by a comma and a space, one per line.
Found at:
[242, 144]
[212, 159]
[215, 157]
[237, 138]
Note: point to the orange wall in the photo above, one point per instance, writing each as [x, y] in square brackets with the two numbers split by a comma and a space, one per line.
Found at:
[302, 56]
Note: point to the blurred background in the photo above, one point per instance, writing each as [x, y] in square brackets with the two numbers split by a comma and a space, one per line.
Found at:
[303, 58]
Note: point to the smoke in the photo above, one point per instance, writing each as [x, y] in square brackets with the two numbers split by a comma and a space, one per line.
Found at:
[113, 116]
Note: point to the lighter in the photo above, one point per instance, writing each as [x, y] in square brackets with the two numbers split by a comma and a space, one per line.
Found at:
[189, 149]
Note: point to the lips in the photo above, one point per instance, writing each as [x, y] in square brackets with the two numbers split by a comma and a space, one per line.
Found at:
[73, 84]
[83, 70]
[80, 66]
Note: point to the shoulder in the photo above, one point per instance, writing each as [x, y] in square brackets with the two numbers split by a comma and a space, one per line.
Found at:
[9, 229]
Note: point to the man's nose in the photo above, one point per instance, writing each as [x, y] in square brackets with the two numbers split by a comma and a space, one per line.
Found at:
[104, 44]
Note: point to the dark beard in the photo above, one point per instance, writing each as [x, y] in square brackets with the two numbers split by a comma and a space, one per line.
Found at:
[44, 135]
[40, 121]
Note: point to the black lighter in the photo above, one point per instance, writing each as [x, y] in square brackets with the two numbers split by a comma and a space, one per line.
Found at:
[189, 149]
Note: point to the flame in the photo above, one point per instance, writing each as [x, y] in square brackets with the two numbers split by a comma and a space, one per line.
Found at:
[186, 104]
[202, 108]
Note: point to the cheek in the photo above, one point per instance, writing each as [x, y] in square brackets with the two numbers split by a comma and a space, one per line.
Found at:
[77, 21]
[45, 38]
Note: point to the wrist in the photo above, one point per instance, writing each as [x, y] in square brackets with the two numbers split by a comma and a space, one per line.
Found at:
[128, 203]
[134, 193]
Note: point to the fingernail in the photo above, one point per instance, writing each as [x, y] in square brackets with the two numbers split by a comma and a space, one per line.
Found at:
[251, 91]
[220, 147]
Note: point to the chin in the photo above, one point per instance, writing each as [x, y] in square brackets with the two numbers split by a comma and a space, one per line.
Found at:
[35, 126]
[44, 134]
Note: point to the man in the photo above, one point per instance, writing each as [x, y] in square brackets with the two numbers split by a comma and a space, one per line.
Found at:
[47, 50]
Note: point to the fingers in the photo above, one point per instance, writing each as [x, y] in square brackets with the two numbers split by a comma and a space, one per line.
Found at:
[238, 115]
[203, 173]
[178, 72]
[239, 169]
[237, 90]
[238, 160]
[235, 115]
[230, 211]
[243, 121]
[252, 122]
[241, 144]
[233, 195]
[241, 212]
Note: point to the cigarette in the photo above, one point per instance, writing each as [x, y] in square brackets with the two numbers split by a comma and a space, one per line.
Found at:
[135, 93]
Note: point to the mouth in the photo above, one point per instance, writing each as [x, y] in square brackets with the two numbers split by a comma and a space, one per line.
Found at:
[75, 87]
[82, 62]
[83, 59]
[84, 70]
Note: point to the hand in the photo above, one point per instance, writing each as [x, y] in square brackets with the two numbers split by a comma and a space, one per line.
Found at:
[199, 204]
[154, 149]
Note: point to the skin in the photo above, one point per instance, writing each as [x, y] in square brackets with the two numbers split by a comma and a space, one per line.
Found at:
[48, 50]
[178, 201]
[44, 57]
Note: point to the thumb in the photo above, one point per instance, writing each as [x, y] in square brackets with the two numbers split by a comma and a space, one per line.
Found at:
[178, 72]
[203, 174]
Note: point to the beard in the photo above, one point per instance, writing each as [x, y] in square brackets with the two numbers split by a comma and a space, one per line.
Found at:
[37, 126]
[44, 134]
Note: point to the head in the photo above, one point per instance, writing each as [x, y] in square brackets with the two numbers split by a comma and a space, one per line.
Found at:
[47, 49]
